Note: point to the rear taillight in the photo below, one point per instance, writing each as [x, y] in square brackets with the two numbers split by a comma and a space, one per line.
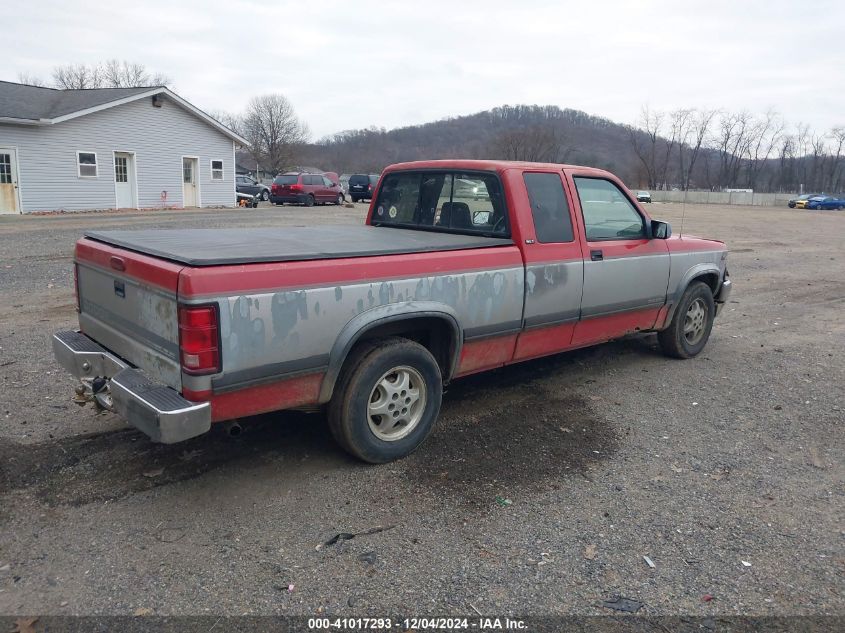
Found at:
[76, 286]
[274, 188]
[199, 345]
[296, 188]
[370, 187]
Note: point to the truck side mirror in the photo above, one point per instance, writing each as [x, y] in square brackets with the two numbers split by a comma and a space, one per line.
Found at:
[660, 230]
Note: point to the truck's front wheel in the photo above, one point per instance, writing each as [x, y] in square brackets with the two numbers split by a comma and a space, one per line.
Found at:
[386, 399]
[689, 330]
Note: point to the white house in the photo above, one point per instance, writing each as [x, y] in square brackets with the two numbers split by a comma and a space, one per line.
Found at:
[110, 148]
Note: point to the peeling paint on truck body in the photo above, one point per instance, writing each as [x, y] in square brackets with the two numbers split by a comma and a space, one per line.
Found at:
[285, 326]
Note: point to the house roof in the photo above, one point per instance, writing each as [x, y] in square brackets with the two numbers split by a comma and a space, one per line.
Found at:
[34, 105]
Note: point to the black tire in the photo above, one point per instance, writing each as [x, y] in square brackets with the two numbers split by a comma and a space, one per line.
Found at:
[673, 340]
[339, 200]
[265, 195]
[354, 199]
[367, 366]
[309, 200]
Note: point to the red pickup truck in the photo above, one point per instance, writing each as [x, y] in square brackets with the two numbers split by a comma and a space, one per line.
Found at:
[462, 266]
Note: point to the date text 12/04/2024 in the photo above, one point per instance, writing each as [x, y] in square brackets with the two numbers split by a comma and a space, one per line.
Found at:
[417, 624]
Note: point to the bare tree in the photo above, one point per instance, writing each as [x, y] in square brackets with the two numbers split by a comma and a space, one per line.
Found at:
[802, 148]
[275, 133]
[731, 142]
[678, 125]
[645, 141]
[535, 143]
[77, 77]
[837, 135]
[109, 74]
[117, 74]
[763, 137]
[234, 122]
[31, 80]
[785, 178]
[818, 160]
[694, 133]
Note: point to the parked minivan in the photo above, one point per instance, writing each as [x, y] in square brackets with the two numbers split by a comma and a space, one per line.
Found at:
[362, 186]
[307, 189]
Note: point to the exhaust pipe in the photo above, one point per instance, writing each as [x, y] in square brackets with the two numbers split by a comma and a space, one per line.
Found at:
[233, 429]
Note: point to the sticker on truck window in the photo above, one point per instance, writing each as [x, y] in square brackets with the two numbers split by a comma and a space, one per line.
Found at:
[393, 212]
[381, 211]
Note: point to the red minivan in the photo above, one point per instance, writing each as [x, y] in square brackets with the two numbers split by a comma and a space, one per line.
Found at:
[307, 189]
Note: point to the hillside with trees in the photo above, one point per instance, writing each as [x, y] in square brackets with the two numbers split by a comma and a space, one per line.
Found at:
[532, 133]
[685, 148]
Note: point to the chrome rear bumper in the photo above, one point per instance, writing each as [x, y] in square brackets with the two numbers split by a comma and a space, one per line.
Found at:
[157, 410]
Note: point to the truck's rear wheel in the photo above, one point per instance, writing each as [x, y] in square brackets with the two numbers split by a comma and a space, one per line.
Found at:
[386, 400]
[690, 328]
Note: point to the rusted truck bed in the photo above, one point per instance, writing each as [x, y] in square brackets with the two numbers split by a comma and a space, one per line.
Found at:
[215, 247]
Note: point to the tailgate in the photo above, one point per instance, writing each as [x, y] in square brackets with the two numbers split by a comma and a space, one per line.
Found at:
[127, 303]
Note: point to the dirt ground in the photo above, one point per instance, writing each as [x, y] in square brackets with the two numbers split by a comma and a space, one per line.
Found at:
[726, 470]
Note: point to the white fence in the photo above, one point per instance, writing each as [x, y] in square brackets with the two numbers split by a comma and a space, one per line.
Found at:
[724, 197]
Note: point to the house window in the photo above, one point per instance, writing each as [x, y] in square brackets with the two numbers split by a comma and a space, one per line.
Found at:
[5, 169]
[86, 164]
[121, 169]
[217, 170]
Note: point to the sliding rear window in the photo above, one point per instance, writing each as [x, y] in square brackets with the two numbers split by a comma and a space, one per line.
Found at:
[451, 201]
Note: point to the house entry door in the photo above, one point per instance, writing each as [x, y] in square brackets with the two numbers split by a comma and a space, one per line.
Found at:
[9, 199]
[189, 182]
[124, 180]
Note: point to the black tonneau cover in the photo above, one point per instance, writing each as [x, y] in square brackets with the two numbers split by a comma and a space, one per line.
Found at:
[215, 247]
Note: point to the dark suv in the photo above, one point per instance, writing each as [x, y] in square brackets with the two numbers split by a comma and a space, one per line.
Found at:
[307, 189]
[362, 186]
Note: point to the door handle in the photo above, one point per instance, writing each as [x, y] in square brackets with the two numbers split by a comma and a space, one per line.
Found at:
[596, 256]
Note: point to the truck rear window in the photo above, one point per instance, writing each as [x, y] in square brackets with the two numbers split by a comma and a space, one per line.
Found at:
[456, 202]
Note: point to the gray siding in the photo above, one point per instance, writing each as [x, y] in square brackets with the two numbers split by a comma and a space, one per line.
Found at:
[159, 137]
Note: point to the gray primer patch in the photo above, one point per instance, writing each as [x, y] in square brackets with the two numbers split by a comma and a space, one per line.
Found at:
[247, 335]
[287, 308]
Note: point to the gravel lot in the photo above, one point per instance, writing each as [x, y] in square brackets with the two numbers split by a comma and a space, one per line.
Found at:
[607, 454]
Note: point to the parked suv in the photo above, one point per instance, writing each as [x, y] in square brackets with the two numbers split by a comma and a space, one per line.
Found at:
[245, 184]
[362, 186]
[307, 189]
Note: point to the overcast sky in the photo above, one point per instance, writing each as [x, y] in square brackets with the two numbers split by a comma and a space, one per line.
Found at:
[356, 64]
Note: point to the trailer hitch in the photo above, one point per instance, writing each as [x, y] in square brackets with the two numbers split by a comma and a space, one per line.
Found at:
[95, 390]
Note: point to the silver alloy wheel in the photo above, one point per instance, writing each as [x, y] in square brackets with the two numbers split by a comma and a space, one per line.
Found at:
[695, 321]
[397, 403]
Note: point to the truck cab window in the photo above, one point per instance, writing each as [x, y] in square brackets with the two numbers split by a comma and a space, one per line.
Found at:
[549, 209]
[454, 202]
[608, 214]
[397, 199]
